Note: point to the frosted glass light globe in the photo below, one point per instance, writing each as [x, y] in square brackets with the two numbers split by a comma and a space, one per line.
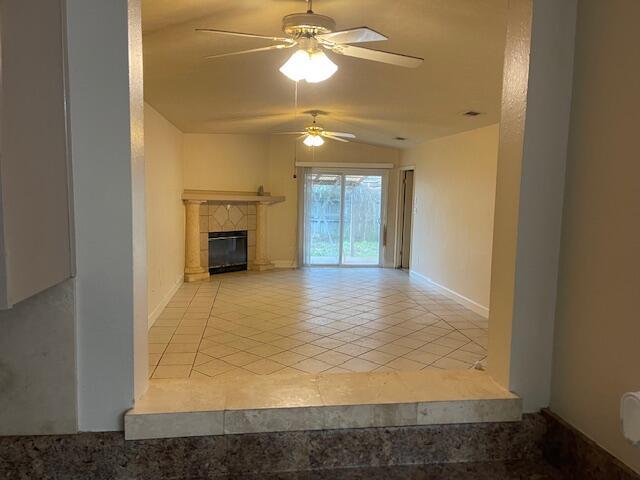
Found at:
[313, 141]
[319, 68]
[312, 67]
[296, 67]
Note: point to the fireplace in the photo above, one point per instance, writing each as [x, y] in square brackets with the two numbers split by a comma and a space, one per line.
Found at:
[227, 251]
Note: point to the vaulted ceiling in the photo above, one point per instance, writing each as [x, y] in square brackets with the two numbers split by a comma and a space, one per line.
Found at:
[462, 42]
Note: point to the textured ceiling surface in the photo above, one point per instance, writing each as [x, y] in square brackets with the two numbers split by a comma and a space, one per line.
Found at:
[462, 42]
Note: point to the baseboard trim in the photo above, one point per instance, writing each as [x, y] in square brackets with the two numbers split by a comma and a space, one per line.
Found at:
[153, 316]
[453, 295]
[285, 263]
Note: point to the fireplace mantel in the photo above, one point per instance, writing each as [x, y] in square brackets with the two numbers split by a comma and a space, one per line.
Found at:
[193, 270]
[231, 197]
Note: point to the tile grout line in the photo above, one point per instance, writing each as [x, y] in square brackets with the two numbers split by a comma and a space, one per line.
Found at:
[408, 297]
[358, 356]
[440, 319]
[371, 349]
[205, 325]
[164, 351]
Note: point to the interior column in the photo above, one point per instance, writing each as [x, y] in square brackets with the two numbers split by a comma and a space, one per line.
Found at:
[261, 262]
[193, 271]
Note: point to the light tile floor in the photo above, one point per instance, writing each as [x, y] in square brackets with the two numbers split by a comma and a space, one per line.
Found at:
[310, 321]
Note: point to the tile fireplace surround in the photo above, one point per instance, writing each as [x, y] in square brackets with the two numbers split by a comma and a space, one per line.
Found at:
[211, 211]
[224, 217]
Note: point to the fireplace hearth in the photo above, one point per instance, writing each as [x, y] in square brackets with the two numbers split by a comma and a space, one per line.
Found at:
[227, 251]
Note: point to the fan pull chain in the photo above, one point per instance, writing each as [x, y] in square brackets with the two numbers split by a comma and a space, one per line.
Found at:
[295, 102]
[295, 117]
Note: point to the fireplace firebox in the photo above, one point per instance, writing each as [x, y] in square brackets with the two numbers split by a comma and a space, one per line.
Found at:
[227, 251]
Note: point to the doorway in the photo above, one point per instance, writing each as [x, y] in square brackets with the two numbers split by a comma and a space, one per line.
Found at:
[405, 220]
[343, 222]
[519, 73]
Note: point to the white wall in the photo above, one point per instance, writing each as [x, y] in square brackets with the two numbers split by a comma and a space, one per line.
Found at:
[454, 191]
[34, 158]
[38, 364]
[165, 211]
[105, 107]
[597, 342]
[529, 193]
[138, 208]
[37, 335]
[61, 372]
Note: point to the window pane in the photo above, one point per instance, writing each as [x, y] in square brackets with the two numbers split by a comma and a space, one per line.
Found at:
[322, 227]
[362, 204]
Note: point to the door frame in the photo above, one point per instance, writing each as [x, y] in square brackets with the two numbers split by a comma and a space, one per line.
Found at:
[397, 259]
[348, 170]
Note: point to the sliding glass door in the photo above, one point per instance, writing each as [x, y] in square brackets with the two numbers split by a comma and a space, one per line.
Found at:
[323, 222]
[343, 217]
[361, 233]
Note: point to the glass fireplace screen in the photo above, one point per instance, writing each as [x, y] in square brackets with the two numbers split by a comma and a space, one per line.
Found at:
[227, 251]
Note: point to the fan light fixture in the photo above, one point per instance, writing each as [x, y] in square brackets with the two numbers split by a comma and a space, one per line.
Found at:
[314, 135]
[313, 141]
[312, 66]
[313, 34]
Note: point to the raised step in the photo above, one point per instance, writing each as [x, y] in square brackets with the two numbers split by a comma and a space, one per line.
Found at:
[279, 403]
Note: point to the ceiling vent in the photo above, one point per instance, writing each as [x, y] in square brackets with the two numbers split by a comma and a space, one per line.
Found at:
[471, 113]
[400, 139]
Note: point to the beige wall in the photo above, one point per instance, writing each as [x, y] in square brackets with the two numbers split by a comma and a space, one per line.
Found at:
[597, 340]
[239, 163]
[226, 162]
[282, 223]
[165, 212]
[243, 162]
[455, 179]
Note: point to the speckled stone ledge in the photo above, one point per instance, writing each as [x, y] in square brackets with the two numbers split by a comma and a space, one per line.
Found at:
[108, 456]
[499, 470]
[579, 457]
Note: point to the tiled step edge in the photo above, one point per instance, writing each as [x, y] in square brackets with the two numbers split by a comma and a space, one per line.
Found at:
[140, 426]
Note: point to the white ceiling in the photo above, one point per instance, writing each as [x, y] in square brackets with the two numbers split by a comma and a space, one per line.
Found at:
[462, 42]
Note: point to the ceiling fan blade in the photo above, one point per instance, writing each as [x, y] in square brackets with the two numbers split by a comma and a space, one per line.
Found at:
[378, 56]
[326, 135]
[353, 35]
[341, 134]
[253, 50]
[289, 133]
[249, 35]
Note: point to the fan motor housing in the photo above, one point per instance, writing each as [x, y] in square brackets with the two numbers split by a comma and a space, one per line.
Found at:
[314, 129]
[307, 24]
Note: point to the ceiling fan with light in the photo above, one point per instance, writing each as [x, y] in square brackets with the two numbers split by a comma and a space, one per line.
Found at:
[315, 134]
[313, 34]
